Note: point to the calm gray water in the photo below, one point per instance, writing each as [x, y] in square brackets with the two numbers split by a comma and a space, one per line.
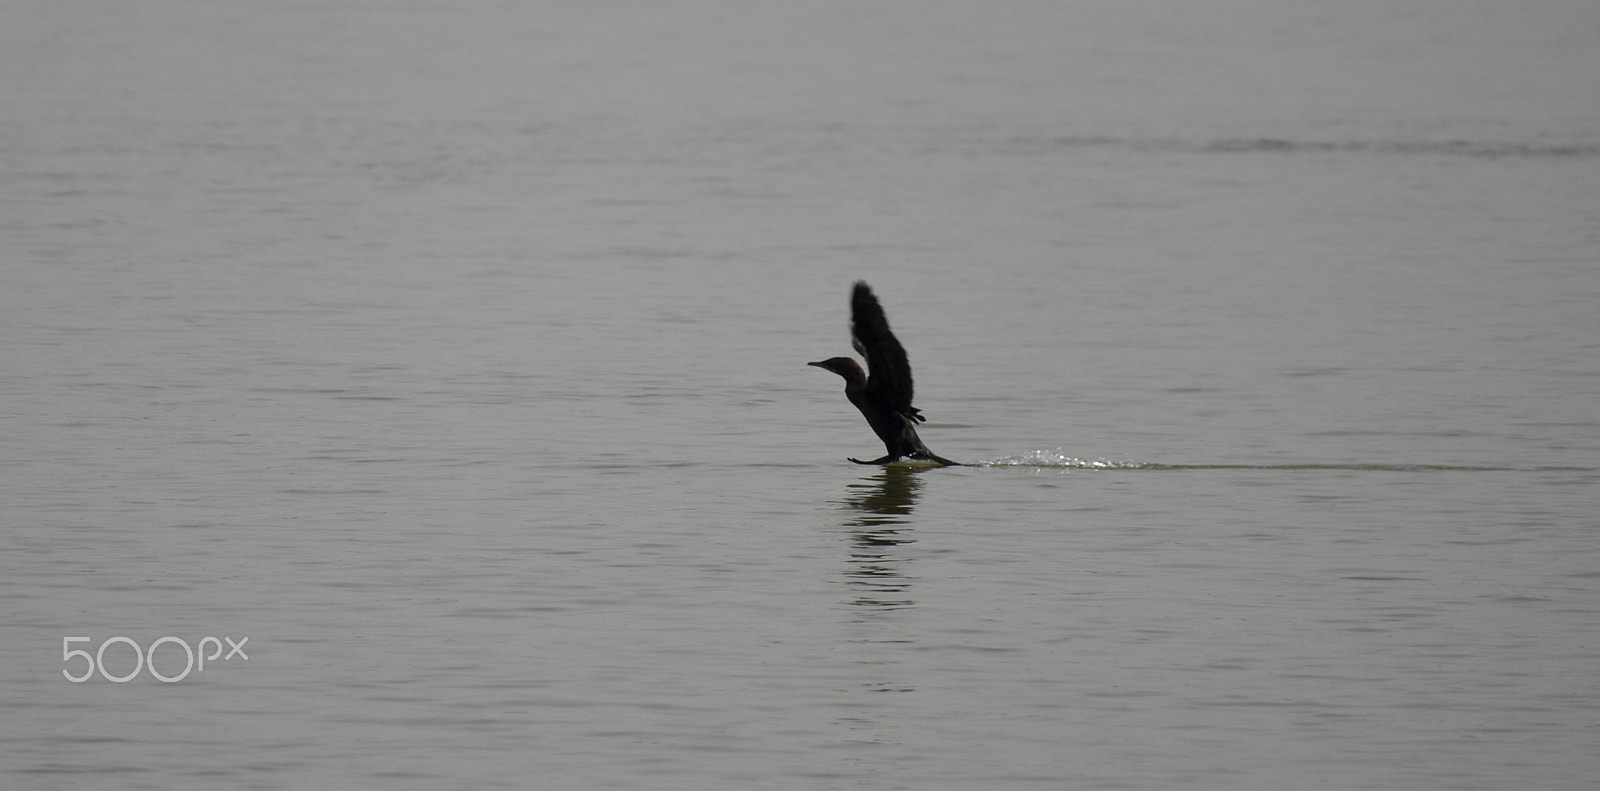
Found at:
[451, 357]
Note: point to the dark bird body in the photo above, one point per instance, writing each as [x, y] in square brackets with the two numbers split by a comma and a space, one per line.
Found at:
[883, 391]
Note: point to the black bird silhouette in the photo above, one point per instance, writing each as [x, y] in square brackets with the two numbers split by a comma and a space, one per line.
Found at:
[884, 396]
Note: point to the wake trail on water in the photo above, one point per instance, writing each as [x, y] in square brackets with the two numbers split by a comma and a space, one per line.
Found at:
[1056, 459]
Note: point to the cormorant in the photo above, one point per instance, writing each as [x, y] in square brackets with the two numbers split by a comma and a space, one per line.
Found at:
[884, 396]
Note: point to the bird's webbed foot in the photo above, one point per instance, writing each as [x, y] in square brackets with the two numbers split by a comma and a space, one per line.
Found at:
[884, 460]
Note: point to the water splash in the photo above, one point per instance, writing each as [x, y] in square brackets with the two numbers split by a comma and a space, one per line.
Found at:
[1057, 459]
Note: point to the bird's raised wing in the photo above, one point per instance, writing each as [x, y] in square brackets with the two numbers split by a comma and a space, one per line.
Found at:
[888, 369]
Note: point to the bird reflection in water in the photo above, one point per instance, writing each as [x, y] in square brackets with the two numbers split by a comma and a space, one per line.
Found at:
[878, 531]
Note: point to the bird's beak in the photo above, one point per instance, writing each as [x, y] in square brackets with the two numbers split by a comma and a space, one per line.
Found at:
[817, 364]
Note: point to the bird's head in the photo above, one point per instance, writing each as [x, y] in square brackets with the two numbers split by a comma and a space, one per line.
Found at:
[843, 366]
